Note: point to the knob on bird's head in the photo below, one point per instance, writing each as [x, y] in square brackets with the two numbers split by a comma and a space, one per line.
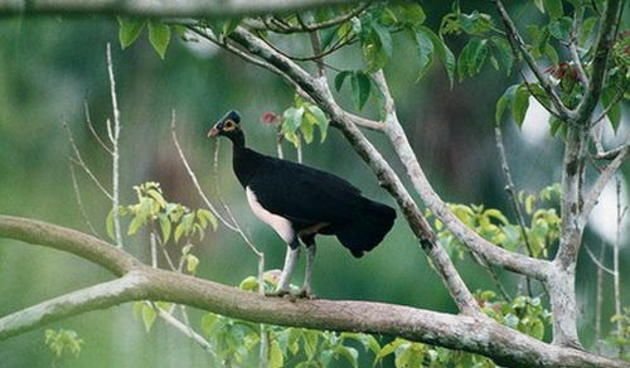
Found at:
[227, 125]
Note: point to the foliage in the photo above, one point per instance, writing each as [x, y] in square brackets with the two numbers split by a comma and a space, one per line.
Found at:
[523, 313]
[620, 337]
[300, 120]
[63, 343]
[542, 231]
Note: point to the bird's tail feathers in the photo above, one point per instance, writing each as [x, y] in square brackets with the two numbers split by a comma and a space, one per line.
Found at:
[368, 229]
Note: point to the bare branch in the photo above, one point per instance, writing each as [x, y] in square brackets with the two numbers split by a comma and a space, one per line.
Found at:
[512, 261]
[573, 45]
[78, 160]
[511, 190]
[150, 8]
[114, 137]
[77, 193]
[186, 330]
[590, 199]
[88, 120]
[613, 153]
[308, 27]
[598, 262]
[483, 336]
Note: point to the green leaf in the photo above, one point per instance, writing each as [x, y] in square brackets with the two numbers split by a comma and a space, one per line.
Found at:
[368, 341]
[443, 52]
[129, 30]
[503, 53]
[389, 349]
[148, 316]
[503, 102]
[165, 226]
[373, 54]
[472, 58]
[320, 120]
[586, 30]
[229, 26]
[614, 111]
[307, 129]
[276, 358]
[340, 78]
[292, 119]
[409, 13]
[361, 85]
[384, 37]
[205, 215]
[159, 37]
[249, 284]
[135, 225]
[351, 354]
[191, 263]
[520, 104]
[560, 28]
[207, 323]
[109, 224]
[425, 47]
[554, 8]
[539, 5]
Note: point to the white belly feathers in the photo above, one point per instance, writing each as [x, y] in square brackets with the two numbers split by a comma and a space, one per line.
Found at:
[280, 225]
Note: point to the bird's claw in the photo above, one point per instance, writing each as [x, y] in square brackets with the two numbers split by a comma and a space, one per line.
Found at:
[303, 293]
[278, 293]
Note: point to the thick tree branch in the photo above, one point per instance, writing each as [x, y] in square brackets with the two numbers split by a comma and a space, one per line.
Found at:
[604, 43]
[150, 8]
[506, 346]
[512, 261]
[68, 240]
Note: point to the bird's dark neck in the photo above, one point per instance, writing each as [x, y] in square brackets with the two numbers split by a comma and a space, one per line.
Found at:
[245, 161]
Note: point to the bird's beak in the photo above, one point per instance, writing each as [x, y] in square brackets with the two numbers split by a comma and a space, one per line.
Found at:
[213, 132]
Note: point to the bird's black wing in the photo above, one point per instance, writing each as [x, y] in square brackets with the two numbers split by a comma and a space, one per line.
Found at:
[303, 194]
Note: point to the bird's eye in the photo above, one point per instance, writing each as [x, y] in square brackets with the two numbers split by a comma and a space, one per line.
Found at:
[228, 125]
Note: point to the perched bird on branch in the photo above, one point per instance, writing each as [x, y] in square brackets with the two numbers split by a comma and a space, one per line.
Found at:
[299, 202]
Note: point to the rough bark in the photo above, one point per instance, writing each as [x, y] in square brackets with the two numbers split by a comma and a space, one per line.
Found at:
[149, 8]
[139, 282]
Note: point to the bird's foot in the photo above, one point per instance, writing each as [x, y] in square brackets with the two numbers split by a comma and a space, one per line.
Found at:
[306, 293]
[303, 293]
[279, 293]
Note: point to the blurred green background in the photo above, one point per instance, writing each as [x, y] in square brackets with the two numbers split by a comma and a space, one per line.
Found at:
[50, 65]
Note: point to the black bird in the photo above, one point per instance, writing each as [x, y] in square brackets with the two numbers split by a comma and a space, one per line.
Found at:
[298, 201]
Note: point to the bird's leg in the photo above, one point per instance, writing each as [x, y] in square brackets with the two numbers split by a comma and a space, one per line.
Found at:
[293, 253]
[306, 290]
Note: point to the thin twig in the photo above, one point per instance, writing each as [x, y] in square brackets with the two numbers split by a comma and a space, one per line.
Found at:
[88, 120]
[518, 44]
[77, 194]
[114, 137]
[598, 263]
[615, 101]
[309, 27]
[616, 276]
[599, 299]
[510, 188]
[573, 45]
[186, 330]
[78, 160]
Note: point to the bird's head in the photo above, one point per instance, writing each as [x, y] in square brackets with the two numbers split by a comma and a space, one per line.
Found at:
[228, 126]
